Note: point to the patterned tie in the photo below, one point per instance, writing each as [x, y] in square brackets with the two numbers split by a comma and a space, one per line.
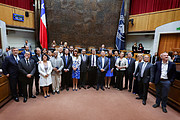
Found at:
[66, 60]
[93, 60]
[143, 68]
[28, 64]
[16, 59]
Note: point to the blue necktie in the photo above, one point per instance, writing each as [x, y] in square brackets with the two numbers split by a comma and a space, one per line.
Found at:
[16, 60]
[66, 60]
[128, 61]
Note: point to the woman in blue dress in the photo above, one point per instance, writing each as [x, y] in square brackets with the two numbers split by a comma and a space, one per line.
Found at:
[109, 73]
[76, 62]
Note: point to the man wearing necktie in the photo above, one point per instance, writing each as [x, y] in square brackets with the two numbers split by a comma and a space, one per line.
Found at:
[92, 69]
[102, 64]
[116, 56]
[145, 75]
[11, 70]
[27, 68]
[66, 75]
[129, 71]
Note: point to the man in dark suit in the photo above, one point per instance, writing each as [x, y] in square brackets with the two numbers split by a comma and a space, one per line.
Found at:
[83, 69]
[102, 64]
[27, 68]
[155, 58]
[92, 68]
[67, 59]
[37, 59]
[113, 80]
[11, 70]
[144, 73]
[129, 71]
[164, 76]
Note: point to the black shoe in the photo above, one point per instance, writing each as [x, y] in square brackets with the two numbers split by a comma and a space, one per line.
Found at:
[97, 89]
[32, 96]
[53, 93]
[67, 89]
[144, 102]
[88, 87]
[79, 87]
[164, 109]
[57, 92]
[94, 87]
[138, 98]
[37, 93]
[25, 100]
[155, 106]
[129, 90]
[62, 89]
[16, 99]
[84, 87]
[102, 89]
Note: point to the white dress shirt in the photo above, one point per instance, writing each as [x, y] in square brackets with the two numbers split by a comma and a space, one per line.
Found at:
[93, 64]
[103, 60]
[164, 69]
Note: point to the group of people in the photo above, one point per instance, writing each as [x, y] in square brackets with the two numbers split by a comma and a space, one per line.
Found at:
[56, 69]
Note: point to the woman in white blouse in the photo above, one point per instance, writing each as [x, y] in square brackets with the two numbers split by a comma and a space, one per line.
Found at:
[76, 62]
[45, 69]
[121, 65]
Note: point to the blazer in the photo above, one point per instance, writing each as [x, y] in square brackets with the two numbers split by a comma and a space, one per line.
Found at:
[131, 67]
[84, 64]
[89, 59]
[43, 73]
[148, 75]
[69, 62]
[59, 65]
[23, 52]
[112, 60]
[10, 66]
[171, 73]
[25, 69]
[124, 62]
[36, 60]
[99, 64]
[153, 60]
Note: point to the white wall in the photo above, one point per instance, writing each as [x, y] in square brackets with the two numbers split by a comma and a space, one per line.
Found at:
[18, 38]
[146, 40]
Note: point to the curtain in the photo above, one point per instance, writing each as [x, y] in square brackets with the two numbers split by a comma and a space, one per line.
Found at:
[145, 6]
[26, 4]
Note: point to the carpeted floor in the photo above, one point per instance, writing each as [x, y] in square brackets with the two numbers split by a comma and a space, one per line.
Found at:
[89, 104]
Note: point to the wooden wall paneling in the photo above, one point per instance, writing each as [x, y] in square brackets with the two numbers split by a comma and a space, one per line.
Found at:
[168, 42]
[177, 15]
[158, 19]
[6, 14]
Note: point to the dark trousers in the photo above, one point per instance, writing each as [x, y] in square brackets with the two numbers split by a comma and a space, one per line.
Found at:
[119, 80]
[143, 89]
[13, 85]
[100, 81]
[25, 82]
[135, 86]
[128, 77]
[66, 78]
[82, 81]
[92, 76]
[162, 90]
[37, 82]
[20, 86]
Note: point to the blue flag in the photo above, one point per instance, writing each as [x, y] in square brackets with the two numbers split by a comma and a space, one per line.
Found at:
[120, 36]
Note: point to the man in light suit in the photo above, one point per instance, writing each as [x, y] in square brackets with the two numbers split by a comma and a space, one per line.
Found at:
[57, 64]
[164, 76]
[67, 59]
[11, 70]
[144, 73]
[27, 68]
[129, 71]
[92, 69]
[102, 64]
[83, 69]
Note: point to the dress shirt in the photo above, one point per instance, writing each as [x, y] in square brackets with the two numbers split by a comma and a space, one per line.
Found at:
[103, 60]
[164, 69]
[93, 64]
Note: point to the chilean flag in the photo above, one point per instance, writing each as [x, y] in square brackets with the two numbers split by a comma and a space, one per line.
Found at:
[43, 27]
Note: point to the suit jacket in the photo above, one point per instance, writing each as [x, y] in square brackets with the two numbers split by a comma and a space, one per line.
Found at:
[148, 75]
[113, 60]
[60, 64]
[23, 52]
[36, 60]
[171, 73]
[69, 62]
[153, 61]
[89, 59]
[84, 64]
[99, 64]
[25, 69]
[10, 66]
[131, 67]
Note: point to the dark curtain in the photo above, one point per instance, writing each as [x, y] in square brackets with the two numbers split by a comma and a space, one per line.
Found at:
[145, 6]
[26, 4]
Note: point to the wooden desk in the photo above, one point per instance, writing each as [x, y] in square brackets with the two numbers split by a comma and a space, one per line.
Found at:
[4, 90]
